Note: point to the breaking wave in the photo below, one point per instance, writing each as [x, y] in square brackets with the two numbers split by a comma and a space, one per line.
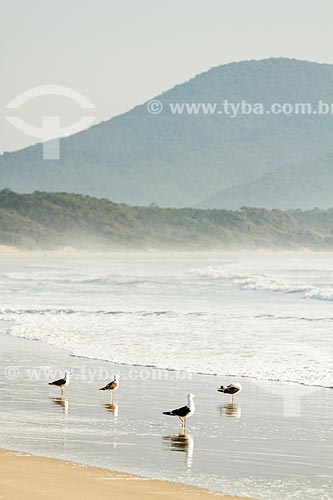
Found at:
[253, 281]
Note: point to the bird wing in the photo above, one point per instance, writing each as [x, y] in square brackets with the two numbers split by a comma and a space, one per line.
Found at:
[181, 412]
[61, 381]
[109, 387]
[231, 389]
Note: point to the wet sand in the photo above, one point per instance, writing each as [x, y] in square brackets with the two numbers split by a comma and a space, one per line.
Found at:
[274, 443]
[44, 478]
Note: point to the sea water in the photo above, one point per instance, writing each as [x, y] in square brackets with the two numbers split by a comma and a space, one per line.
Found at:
[265, 316]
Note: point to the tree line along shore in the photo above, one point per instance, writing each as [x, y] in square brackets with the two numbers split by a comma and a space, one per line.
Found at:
[44, 220]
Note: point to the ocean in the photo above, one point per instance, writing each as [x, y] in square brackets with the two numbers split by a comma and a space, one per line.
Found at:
[264, 320]
[264, 316]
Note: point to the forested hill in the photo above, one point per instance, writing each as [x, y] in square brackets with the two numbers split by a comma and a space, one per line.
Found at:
[55, 220]
[201, 159]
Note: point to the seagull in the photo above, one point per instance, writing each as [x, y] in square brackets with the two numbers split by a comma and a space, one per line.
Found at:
[62, 382]
[230, 389]
[185, 411]
[111, 386]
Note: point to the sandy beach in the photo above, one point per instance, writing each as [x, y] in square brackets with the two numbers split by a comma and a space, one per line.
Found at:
[44, 478]
[260, 448]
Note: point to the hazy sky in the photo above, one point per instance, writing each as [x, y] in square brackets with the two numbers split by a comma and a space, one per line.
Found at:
[119, 53]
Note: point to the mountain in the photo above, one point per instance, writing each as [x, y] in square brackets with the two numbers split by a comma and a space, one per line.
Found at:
[56, 220]
[306, 186]
[182, 159]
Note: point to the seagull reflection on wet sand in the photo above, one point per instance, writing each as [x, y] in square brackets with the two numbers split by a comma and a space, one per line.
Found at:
[63, 402]
[183, 443]
[112, 407]
[230, 410]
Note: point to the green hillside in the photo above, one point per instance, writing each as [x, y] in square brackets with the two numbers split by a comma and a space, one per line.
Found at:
[54, 220]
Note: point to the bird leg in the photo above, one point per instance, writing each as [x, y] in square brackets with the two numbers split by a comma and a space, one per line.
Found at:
[62, 392]
[112, 396]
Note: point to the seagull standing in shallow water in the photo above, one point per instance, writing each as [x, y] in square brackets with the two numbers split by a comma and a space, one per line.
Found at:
[230, 389]
[62, 382]
[184, 412]
[112, 386]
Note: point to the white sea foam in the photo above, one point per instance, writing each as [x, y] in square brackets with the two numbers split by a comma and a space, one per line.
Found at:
[242, 318]
[172, 340]
[254, 281]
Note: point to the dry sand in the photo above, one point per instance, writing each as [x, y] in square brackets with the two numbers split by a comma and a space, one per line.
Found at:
[25, 477]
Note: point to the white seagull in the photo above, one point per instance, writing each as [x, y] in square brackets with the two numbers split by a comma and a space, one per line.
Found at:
[62, 382]
[231, 389]
[111, 386]
[184, 412]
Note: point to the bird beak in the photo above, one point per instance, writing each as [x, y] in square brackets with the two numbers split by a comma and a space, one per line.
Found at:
[195, 396]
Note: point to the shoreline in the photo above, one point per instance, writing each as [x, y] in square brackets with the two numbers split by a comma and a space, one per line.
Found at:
[44, 478]
[234, 450]
[189, 372]
[161, 369]
[156, 253]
